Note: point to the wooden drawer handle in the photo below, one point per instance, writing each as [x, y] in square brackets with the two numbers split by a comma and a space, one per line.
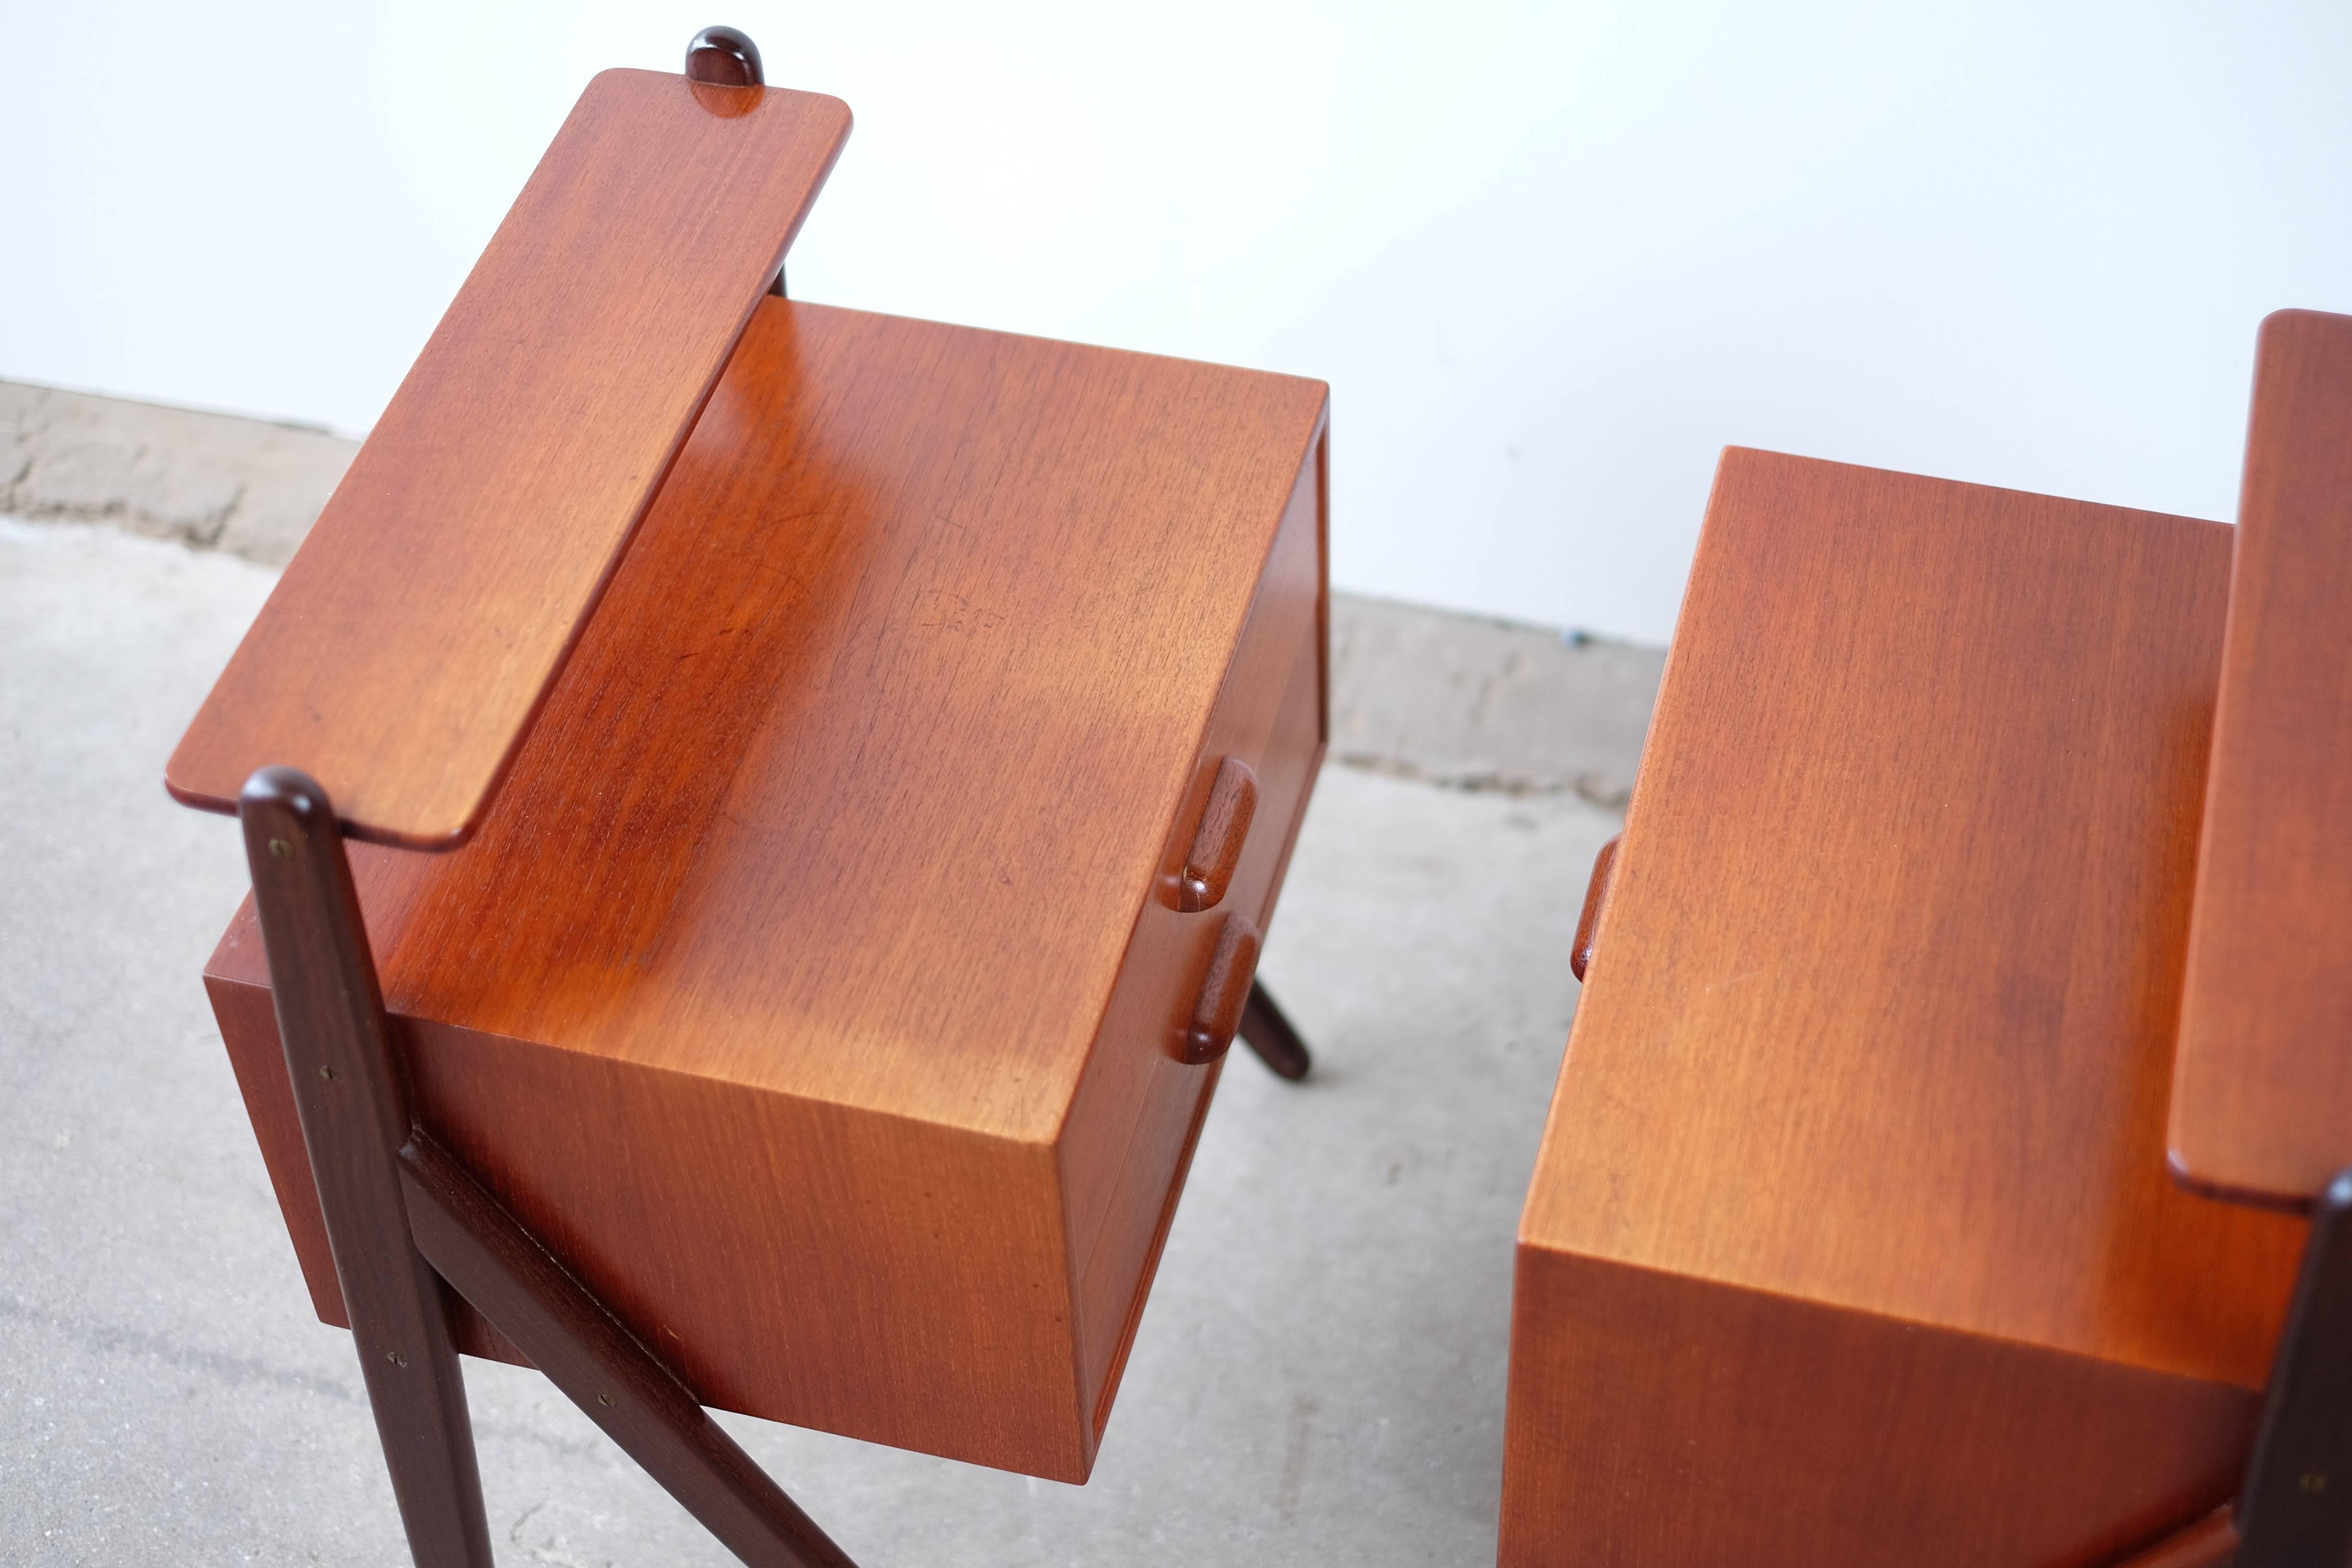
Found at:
[1217, 842]
[1218, 1011]
[1596, 894]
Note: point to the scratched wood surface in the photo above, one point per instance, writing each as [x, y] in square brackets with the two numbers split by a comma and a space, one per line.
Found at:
[1874, 1052]
[814, 981]
[2261, 1103]
[413, 635]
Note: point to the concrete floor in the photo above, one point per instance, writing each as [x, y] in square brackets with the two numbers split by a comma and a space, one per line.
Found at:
[1318, 1377]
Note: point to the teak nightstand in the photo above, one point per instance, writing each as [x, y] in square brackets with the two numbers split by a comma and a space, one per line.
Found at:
[1851, 1237]
[820, 780]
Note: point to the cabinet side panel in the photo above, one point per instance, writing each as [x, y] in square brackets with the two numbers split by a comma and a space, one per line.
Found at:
[875, 1276]
[1131, 1125]
[1301, 715]
[1658, 1421]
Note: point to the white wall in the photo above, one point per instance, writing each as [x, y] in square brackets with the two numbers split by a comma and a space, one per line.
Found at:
[1551, 258]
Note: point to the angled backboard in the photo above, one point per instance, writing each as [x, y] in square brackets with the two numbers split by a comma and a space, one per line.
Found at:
[417, 630]
[2262, 1100]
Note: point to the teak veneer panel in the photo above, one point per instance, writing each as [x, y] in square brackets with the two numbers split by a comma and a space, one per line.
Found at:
[2262, 1101]
[1869, 1074]
[403, 653]
[810, 984]
[1946, 1450]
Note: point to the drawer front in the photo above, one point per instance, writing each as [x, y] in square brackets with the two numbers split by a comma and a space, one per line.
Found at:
[1138, 1107]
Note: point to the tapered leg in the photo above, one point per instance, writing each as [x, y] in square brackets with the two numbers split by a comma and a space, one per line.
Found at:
[1270, 1034]
[2295, 1507]
[602, 1368]
[355, 1114]
[402, 1216]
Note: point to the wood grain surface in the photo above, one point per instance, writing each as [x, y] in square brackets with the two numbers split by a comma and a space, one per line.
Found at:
[1894, 942]
[808, 986]
[417, 631]
[2262, 1103]
[1671, 1421]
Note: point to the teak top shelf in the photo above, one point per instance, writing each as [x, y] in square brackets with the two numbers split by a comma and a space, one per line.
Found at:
[2261, 1103]
[412, 637]
[1880, 1011]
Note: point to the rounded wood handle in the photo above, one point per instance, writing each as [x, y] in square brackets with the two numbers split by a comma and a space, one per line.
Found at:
[1217, 843]
[1217, 1014]
[1596, 894]
[724, 56]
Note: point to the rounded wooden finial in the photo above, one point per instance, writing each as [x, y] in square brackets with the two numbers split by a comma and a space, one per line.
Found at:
[724, 56]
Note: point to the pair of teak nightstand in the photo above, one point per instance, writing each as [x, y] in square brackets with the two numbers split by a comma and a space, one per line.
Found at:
[1990, 853]
[762, 815]
[814, 784]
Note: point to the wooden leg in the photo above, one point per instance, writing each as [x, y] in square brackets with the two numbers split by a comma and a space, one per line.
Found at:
[2296, 1505]
[402, 1216]
[1270, 1034]
[587, 1352]
[354, 1113]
